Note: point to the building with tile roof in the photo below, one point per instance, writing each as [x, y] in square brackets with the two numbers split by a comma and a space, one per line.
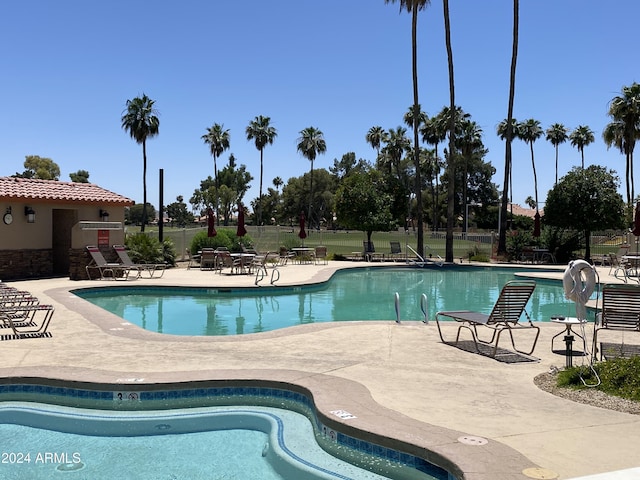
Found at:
[46, 223]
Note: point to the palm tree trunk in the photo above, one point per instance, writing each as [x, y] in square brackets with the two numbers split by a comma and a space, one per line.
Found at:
[260, 194]
[416, 146]
[535, 177]
[556, 166]
[452, 127]
[310, 193]
[215, 172]
[502, 240]
[144, 184]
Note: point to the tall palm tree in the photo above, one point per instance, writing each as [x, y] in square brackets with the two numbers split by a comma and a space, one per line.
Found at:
[614, 135]
[278, 182]
[262, 133]
[409, 116]
[140, 119]
[502, 133]
[529, 131]
[310, 143]
[218, 140]
[556, 134]
[396, 146]
[433, 132]
[412, 7]
[626, 109]
[375, 137]
[580, 138]
[508, 136]
[452, 131]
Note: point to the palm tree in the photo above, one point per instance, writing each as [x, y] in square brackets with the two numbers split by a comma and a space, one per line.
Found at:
[218, 140]
[278, 182]
[502, 133]
[375, 137]
[557, 134]
[310, 144]
[409, 116]
[262, 133]
[469, 143]
[626, 108]
[580, 138]
[140, 119]
[412, 7]
[433, 132]
[396, 146]
[614, 135]
[529, 131]
[508, 134]
[452, 131]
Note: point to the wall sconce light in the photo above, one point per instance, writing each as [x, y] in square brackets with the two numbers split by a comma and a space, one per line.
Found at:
[104, 215]
[30, 214]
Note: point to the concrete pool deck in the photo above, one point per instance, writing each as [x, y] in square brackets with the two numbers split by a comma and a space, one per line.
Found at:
[399, 380]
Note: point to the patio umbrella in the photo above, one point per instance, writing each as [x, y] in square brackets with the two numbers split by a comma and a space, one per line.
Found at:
[211, 224]
[636, 224]
[536, 224]
[302, 234]
[241, 231]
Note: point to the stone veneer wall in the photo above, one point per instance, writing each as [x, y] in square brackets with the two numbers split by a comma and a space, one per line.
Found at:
[20, 264]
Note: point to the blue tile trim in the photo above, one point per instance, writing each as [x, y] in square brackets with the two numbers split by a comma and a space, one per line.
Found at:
[229, 393]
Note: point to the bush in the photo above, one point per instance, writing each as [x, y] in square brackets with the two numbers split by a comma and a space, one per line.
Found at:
[225, 238]
[145, 249]
[619, 377]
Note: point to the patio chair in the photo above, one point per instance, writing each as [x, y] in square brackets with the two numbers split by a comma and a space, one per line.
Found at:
[396, 251]
[107, 270]
[150, 269]
[27, 321]
[225, 260]
[208, 259]
[619, 265]
[369, 252]
[505, 315]
[285, 256]
[320, 255]
[620, 311]
[194, 260]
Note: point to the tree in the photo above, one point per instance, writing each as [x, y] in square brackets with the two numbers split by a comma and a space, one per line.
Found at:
[375, 137]
[178, 213]
[586, 200]
[81, 176]
[310, 143]
[39, 167]
[502, 133]
[508, 134]
[361, 203]
[529, 131]
[469, 143]
[140, 119]
[433, 132]
[278, 182]
[135, 214]
[218, 140]
[452, 125]
[412, 7]
[557, 134]
[262, 133]
[625, 108]
[348, 164]
[580, 138]
[614, 135]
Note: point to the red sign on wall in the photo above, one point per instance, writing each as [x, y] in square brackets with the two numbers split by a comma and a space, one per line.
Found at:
[103, 238]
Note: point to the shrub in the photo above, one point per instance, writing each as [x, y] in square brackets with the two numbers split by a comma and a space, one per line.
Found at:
[145, 249]
[225, 238]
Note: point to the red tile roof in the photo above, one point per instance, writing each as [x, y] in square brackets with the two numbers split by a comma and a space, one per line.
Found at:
[52, 191]
[519, 210]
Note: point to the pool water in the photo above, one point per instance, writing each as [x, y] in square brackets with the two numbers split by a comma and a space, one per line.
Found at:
[357, 294]
[249, 443]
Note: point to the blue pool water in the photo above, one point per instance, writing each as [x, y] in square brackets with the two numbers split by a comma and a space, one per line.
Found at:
[260, 443]
[357, 294]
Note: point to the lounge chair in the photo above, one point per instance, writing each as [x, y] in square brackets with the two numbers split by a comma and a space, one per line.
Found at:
[505, 315]
[107, 270]
[27, 320]
[150, 269]
[620, 311]
[396, 251]
[320, 255]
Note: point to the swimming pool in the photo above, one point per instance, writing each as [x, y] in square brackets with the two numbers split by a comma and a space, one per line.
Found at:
[356, 294]
[132, 439]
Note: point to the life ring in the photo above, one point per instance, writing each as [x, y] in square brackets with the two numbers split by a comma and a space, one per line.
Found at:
[574, 287]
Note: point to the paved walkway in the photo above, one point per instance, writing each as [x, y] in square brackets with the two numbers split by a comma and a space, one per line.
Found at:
[399, 380]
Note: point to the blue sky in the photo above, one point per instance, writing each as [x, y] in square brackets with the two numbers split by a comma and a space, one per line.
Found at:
[342, 66]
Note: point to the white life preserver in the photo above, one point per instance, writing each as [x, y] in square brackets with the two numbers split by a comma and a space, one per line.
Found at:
[579, 282]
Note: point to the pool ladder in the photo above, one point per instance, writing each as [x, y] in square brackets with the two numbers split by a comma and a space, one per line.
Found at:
[261, 273]
[423, 307]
